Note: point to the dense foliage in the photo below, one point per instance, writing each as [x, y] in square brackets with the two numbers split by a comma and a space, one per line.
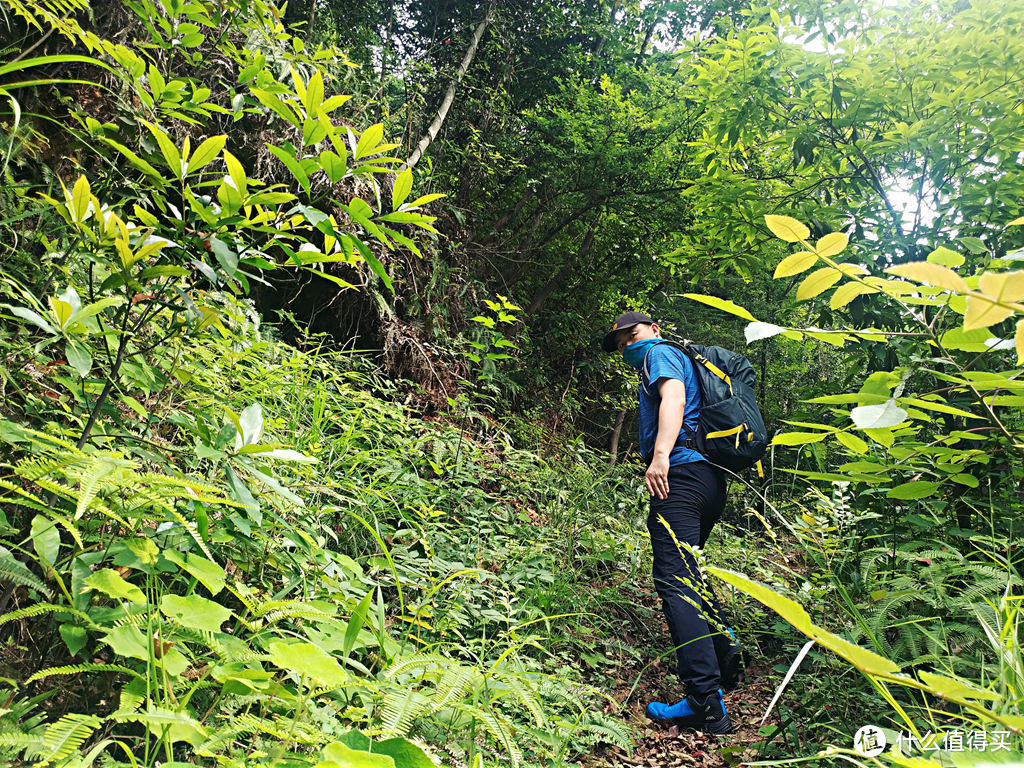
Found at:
[302, 467]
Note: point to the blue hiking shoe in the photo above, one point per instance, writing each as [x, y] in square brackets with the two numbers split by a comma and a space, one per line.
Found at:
[701, 713]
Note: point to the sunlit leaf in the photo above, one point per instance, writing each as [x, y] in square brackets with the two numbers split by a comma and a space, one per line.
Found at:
[109, 582]
[195, 612]
[945, 257]
[796, 263]
[930, 274]
[757, 330]
[819, 280]
[787, 228]
[852, 442]
[878, 416]
[917, 489]
[722, 304]
[832, 244]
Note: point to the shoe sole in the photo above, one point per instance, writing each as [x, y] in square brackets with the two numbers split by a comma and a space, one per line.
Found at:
[719, 727]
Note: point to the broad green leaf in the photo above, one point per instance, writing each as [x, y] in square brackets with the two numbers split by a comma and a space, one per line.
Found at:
[984, 313]
[965, 341]
[965, 479]
[292, 164]
[109, 582]
[1018, 340]
[916, 489]
[945, 257]
[33, 317]
[74, 636]
[251, 421]
[881, 436]
[1004, 287]
[426, 199]
[309, 661]
[374, 262]
[788, 609]
[930, 274]
[930, 405]
[844, 294]
[79, 357]
[952, 688]
[333, 103]
[62, 311]
[337, 755]
[314, 96]
[831, 244]
[195, 612]
[974, 245]
[45, 539]
[402, 188]
[882, 416]
[787, 228]
[722, 304]
[236, 173]
[861, 398]
[819, 280]
[127, 640]
[355, 623]
[369, 141]
[314, 131]
[207, 572]
[95, 308]
[852, 442]
[404, 753]
[81, 196]
[334, 165]
[171, 156]
[799, 438]
[206, 153]
[283, 454]
[757, 330]
[866, 661]
[796, 263]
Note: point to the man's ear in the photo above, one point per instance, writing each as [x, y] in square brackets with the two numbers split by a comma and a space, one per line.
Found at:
[656, 329]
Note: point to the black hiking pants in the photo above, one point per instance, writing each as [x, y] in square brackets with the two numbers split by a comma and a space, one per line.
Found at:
[696, 498]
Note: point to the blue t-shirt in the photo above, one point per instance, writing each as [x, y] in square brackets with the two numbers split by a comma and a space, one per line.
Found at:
[666, 362]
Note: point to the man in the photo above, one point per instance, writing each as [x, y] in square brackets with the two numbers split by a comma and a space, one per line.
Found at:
[688, 493]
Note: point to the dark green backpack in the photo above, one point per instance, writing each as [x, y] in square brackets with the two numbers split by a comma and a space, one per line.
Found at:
[730, 431]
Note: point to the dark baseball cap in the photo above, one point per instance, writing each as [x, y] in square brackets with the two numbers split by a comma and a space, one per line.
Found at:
[623, 321]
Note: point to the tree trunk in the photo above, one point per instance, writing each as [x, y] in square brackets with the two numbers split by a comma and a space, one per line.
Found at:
[449, 95]
[549, 287]
[620, 419]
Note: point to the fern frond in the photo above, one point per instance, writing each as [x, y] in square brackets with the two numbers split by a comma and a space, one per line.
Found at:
[67, 735]
[454, 684]
[499, 728]
[399, 710]
[422, 660]
[40, 608]
[16, 572]
[529, 697]
[79, 668]
[613, 731]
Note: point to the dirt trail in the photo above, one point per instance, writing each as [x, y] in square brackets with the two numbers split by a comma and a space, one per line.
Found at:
[667, 747]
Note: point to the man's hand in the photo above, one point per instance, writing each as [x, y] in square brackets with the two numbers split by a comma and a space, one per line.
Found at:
[656, 478]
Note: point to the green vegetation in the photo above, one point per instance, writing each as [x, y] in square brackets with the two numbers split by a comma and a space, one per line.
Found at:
[309, 457]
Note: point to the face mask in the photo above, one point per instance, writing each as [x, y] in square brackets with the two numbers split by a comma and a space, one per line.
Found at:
[634, 353]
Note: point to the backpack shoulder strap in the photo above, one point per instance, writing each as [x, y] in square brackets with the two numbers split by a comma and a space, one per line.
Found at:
[645, 369]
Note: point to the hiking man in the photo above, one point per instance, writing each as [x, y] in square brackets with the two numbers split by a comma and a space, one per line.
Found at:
[688, 493]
